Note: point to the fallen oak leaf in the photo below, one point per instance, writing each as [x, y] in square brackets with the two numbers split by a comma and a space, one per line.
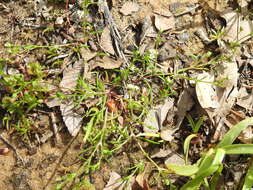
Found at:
[106, 63]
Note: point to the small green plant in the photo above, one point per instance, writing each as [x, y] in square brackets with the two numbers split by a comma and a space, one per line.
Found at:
[23, 92]
[195, 125]
[211, 162]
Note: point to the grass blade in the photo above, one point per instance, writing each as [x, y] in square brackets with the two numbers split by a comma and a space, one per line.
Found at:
[239, 149]
[187, 145]
[184, 170]
[248, 183]
[233, 133]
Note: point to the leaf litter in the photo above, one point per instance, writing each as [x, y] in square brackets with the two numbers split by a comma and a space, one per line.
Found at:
[126, 72]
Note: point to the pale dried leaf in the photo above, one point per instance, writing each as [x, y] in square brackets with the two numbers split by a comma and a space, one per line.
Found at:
[162, 153]
[163, 23]
[70, 76]
[175, 159]
[107, 63]
[115, 182]
[87, 54]
[151, 123]
[52, 102]
[142, 178]
[72, 117]
[206, 91]
[245, 99]
[237, 29]
[167, 134]
[106, 41]
[163, 12]
[156, 117]
[184, 104]
[129, 8]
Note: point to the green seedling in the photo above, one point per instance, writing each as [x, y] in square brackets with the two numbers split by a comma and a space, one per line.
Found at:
[22, 94]
[195, 125]
[211, 162]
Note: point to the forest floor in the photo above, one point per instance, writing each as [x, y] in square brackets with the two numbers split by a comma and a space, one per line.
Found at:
[116, 94]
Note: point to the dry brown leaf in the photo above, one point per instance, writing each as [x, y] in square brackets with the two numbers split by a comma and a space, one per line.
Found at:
[184, 104]
[115, 182]
[163, 12]
[162, 153]
[163, 23]
[245, 99]
[87, 54]
[206, 91]
[217, 101]
[70, 76]
[167, 134]
[107, 63]
[238, 29]
[129, 8]
[106, 41]
[175, 159]
[72, 117]
[142, 178]
[155, 118]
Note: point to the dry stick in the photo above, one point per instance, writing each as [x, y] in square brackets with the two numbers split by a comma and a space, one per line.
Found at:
[113, 29]
[60, 160]
[19, 157]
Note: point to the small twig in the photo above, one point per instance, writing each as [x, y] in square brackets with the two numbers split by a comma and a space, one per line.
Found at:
[113, 29]
[19, 157]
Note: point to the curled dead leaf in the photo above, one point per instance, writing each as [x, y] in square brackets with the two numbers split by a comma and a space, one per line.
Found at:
[107, 63]
[164, 23]
[106, 41]
[129, 8]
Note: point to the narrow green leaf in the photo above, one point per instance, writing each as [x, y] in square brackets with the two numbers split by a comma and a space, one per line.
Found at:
[233, 133]
[187, 145]
[184, 170]
[209, 165]
[239, 149]
[248, 183]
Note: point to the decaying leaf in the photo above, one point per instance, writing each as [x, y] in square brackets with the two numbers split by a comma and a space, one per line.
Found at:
[206, 91]
[142, 178]
[167, 134]
[163, 12]
[115, 182]
[72, 116]
[106, 41]
[238, 29]
[155, 118]
[87, 54]
[129, 8]
[175, 159]
[164, 23]
[162, 153]
[217, 101]
[184, 104]
[245, 99]
[107, 63]
[147, 29]
[70, 76]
